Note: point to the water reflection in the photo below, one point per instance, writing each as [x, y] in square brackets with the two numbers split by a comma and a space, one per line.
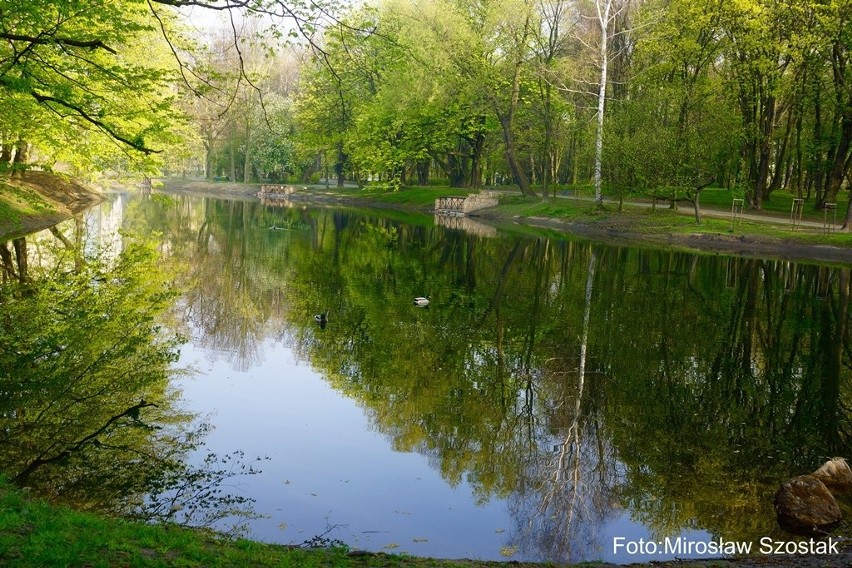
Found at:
[582, 385]
[87, 412]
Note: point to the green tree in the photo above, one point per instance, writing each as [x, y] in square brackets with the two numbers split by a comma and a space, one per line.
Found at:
[83, 80]
[677, 132]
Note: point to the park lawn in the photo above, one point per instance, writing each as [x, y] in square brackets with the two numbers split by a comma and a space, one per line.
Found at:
[779, 203]
[411, 196]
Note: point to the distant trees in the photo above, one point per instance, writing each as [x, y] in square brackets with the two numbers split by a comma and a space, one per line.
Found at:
[646, 96]
[105, 85]
[242, 111]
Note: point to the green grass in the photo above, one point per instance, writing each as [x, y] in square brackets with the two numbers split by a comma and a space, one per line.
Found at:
[565, 209]
[779, 202]
[410, 196]
[17, 202]
[633, 218]
[36, 533]
[665, 220]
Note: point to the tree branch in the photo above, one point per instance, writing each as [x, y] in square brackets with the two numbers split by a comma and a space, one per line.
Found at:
[132, 412]
[136, 145]
[48, 40]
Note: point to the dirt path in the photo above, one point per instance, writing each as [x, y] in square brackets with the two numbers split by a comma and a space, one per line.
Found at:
[763, 217]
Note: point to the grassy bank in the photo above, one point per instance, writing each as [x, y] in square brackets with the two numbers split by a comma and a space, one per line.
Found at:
[36, 200]
[20, 205]
[36, 533]
[636, 217]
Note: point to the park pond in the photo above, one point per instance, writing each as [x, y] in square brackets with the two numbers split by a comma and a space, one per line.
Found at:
[556, 396]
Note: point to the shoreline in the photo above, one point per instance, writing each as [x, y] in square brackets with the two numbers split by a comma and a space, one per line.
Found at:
[620, 235]
[84, 538]
[619, 230]
[707, 243]
[37, 200]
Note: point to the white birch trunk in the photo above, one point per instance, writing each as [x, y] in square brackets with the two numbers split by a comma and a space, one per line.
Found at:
[603, 20]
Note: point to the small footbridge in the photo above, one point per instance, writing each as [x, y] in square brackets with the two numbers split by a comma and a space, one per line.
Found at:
[460, 206]
[276, 190]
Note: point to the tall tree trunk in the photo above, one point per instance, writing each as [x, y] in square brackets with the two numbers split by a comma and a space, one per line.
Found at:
[799, 162]
[247, 161]
[6, 151]
[817, 158]
[208, 158]
[842, 157]
[781, 157]
[507, 118]
[340, 165]
[477, 147]
[764, 151]
[232, 151]
[22, 156]
[20, 245]
[423, 171]
[7, 263]
[512, 158]
[603, 20]
[548, 136]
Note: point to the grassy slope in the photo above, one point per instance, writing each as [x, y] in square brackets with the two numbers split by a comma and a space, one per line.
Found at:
[35, 533]
[37, 200]
[18, 204]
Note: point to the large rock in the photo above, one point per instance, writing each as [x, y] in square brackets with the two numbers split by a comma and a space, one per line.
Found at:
[804, 505]
[836, 475]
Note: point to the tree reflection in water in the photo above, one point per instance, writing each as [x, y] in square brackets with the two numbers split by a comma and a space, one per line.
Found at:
[577, 380]
[87, 415]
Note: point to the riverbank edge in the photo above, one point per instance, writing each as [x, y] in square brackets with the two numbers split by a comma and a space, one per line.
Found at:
[618, 229]
[35, 200]
[34, 532]
[69, 197]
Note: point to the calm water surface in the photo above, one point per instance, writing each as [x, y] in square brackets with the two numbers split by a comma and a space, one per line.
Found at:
[553, 396]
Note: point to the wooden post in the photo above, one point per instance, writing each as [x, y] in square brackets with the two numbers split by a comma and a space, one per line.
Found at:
[736, 212]
[828, 227]
[796, 213]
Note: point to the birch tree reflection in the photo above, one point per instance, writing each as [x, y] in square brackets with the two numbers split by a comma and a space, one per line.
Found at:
[581, 382]
[566, 494]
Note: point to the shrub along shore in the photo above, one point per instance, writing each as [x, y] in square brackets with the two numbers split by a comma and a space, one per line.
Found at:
[36, 533]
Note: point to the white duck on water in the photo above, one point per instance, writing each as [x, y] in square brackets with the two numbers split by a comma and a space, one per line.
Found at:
[421, 301]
